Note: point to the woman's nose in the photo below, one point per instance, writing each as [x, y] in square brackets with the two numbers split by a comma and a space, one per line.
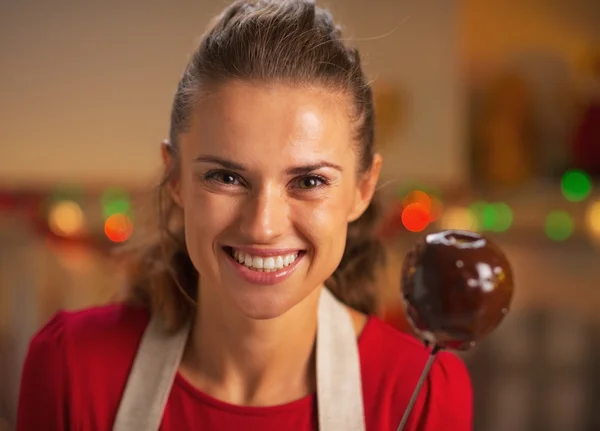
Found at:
[265, 216]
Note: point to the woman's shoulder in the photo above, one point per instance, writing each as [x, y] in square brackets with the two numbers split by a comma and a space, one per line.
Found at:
[77, 366]
[99, 341]
[94, 327]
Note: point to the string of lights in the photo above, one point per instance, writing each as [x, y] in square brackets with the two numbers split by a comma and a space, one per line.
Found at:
[105, 218]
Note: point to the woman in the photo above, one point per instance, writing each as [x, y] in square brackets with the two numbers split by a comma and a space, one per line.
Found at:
[266, 199]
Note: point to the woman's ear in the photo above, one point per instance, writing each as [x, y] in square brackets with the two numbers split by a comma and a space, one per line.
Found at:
[165, 152]
[169, 165]
[366, 188]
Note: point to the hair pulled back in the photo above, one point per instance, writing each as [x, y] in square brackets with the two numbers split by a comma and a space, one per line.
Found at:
[288, 41]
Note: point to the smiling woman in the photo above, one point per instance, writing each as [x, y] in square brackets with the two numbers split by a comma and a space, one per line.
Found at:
[296, 205]
[265, 208]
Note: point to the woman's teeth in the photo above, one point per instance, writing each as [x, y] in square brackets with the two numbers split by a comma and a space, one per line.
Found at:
[264, 264]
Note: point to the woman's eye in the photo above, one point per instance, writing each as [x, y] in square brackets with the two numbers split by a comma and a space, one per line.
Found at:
[225, 178]
[310, 182]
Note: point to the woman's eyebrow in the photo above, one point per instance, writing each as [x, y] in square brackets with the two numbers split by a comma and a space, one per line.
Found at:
[295, 170]
[305, 169]
[228, 164]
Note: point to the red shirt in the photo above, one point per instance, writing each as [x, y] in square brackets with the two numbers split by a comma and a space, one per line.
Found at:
[77, 367]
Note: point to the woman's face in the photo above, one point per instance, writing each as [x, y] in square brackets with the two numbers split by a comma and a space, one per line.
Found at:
[268, 185]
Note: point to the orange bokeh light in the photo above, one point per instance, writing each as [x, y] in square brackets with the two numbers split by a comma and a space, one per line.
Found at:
[118, 228]
[417, 197]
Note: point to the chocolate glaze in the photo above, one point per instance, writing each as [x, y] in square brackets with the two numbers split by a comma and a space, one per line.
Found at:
[457, 286]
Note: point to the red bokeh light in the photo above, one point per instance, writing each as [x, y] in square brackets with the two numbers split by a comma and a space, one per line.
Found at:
[415, 217]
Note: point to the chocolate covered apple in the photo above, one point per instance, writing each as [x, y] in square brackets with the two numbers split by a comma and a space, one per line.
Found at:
[457, 286]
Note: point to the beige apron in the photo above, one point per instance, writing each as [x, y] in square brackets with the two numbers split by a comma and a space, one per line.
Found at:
[339, 388]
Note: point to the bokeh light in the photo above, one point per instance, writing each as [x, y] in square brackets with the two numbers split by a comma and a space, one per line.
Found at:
[415, 217]
[476, 209]
[429, 201]
[559, 225]
[459, 218]
[115, 201]
[118, 227]
[495, 217]
[417, 196]
[592, 221]
[502, 217]
[576, 185]
[66, 218]
[488, 217]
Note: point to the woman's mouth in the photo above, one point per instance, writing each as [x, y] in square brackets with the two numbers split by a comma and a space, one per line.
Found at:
[263, 263]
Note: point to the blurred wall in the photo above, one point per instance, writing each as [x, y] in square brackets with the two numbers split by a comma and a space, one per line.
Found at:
[496, 29]
[87, 86]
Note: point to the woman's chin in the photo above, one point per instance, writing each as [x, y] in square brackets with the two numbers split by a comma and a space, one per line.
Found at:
[265, 302]
[258, 306]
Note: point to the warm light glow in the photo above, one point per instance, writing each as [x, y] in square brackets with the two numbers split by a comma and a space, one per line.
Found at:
[436, 210]
[118, 228]
[477, 211]
[417, 196]
[592, 221]
[66, 218]
[459, 218]
[415, 217]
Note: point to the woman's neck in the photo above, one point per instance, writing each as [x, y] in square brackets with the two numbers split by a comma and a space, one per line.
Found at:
[252, 362]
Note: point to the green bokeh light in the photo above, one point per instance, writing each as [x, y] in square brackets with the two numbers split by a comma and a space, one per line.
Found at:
[495, 217]
[576, 185]
[488, 217]
[503, 217]
[559, 225]
[115, 201]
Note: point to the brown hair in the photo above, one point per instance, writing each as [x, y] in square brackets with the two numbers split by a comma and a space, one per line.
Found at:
[289, 41]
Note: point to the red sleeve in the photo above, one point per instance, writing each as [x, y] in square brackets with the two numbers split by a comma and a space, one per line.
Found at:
[43, 398]
[446, 398]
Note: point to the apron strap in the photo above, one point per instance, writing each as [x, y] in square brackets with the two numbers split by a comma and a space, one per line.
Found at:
[151, 377]
[339, 383]
[339, 388]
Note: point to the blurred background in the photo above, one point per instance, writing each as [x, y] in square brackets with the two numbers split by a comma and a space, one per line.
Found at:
[488, 118]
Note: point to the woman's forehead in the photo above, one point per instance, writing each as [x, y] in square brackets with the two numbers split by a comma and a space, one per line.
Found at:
[272, 119]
